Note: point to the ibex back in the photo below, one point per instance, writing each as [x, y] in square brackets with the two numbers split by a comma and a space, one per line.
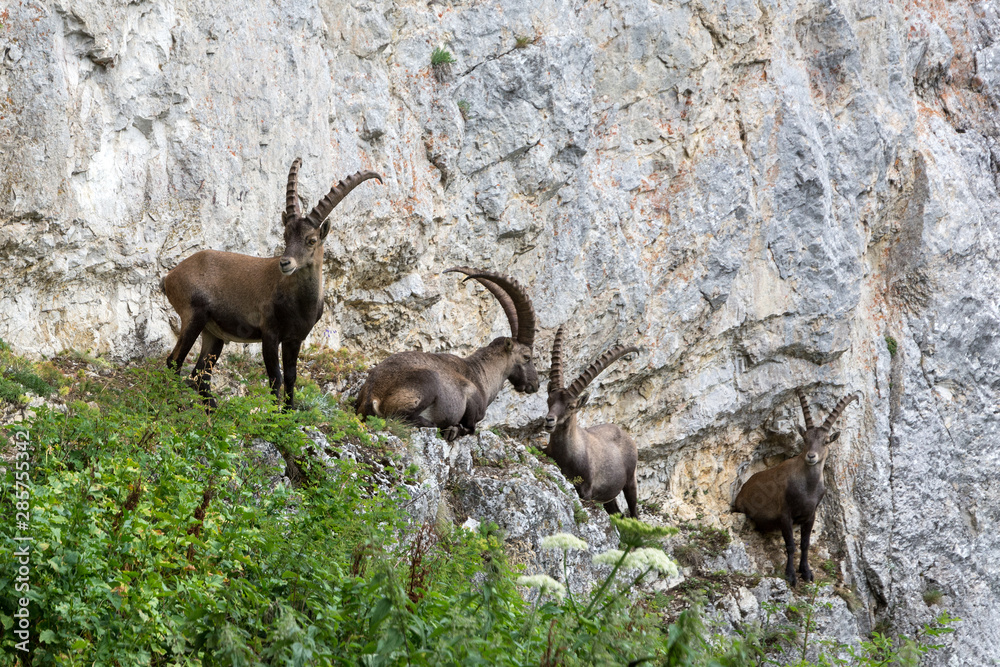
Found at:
[226, 297]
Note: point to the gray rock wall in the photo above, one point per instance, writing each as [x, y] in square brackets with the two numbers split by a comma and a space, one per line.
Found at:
[756, 191]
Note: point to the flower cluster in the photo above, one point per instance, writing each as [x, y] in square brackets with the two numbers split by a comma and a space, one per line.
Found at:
[544, 583]
[564, 541]
[640, 559]
[654, 559]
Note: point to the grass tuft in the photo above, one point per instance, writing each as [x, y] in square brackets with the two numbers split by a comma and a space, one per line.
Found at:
[441, 56]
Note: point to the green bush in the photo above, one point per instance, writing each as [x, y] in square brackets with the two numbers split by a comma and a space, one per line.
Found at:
[159, 539]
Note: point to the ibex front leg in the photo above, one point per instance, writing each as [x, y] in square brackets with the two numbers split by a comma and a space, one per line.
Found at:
[289, 360]
[804, 568]
[789, 537]
[269, 350]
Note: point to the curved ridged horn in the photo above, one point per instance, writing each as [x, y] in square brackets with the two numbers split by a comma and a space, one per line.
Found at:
[835, 415]
[337, 194]
[524, 323]
[805, 409]
[505, 301]
[555, 373]
[292, 209]
[598, 366]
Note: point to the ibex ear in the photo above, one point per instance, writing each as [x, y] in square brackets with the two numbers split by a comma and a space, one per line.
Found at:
[324, 229]
[582, 401]
[802, 432]
[833, 436]
[284, 218]
[508, 344]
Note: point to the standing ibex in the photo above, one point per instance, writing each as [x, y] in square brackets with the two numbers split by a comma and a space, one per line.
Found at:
[602, 458]
[450, 392]
[789, 493]
[274, 301]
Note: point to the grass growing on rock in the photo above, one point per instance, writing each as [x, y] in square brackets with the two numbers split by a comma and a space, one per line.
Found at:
[162, 536]
[20, 377]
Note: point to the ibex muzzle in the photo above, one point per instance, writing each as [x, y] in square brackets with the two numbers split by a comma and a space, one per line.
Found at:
[226, 297]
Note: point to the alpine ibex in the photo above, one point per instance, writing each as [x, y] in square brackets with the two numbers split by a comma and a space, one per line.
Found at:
[603, 458]
[226, 297]
[789, 493]
[451, 392]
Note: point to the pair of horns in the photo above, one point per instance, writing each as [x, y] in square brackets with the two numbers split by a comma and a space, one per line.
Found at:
[831, 418]
[512, 297]
[322, 209]
[595, 369]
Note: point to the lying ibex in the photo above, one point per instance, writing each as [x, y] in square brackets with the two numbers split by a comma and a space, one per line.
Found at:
[789, 493]
[602, 458]
[274, 301]
[450, 392]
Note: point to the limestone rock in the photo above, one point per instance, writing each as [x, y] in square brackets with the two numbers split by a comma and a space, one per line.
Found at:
[759, 194]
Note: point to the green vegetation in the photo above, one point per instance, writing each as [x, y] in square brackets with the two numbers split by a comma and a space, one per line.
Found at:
[892, 345]
[161, 537]
[580, 515]
[523, 41]
[463, 108]
[707, 540]
[19, 376]
[789, 631]
[441, 57]
[932, 596]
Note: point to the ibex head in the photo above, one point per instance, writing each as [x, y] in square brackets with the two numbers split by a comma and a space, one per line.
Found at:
[521, 315]
[818, 438]
[564, 402]
[304, 236]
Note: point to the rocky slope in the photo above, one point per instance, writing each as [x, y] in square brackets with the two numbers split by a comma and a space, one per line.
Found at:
[764, 194]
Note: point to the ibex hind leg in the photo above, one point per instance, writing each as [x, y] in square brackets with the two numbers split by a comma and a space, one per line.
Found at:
[211, 350]
[411, 402]
[632, 497]
[190, 331]
[611, 507]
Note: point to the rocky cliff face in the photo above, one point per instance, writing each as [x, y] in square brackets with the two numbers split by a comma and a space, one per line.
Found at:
[761, 193]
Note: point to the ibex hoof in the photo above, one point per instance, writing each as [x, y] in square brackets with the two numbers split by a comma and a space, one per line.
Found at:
[450, 433]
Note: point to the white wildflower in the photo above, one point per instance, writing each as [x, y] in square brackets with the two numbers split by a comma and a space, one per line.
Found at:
[544, 583]
[640, 559]
[564, 541]
[609, 557]
[653, 559]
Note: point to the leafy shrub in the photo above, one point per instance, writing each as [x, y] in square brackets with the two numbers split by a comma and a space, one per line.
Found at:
[159, 539]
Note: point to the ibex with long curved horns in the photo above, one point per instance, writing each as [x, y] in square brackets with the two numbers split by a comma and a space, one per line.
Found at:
[603, 458]
[789, 493]
[451, 392]
[226, 297]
